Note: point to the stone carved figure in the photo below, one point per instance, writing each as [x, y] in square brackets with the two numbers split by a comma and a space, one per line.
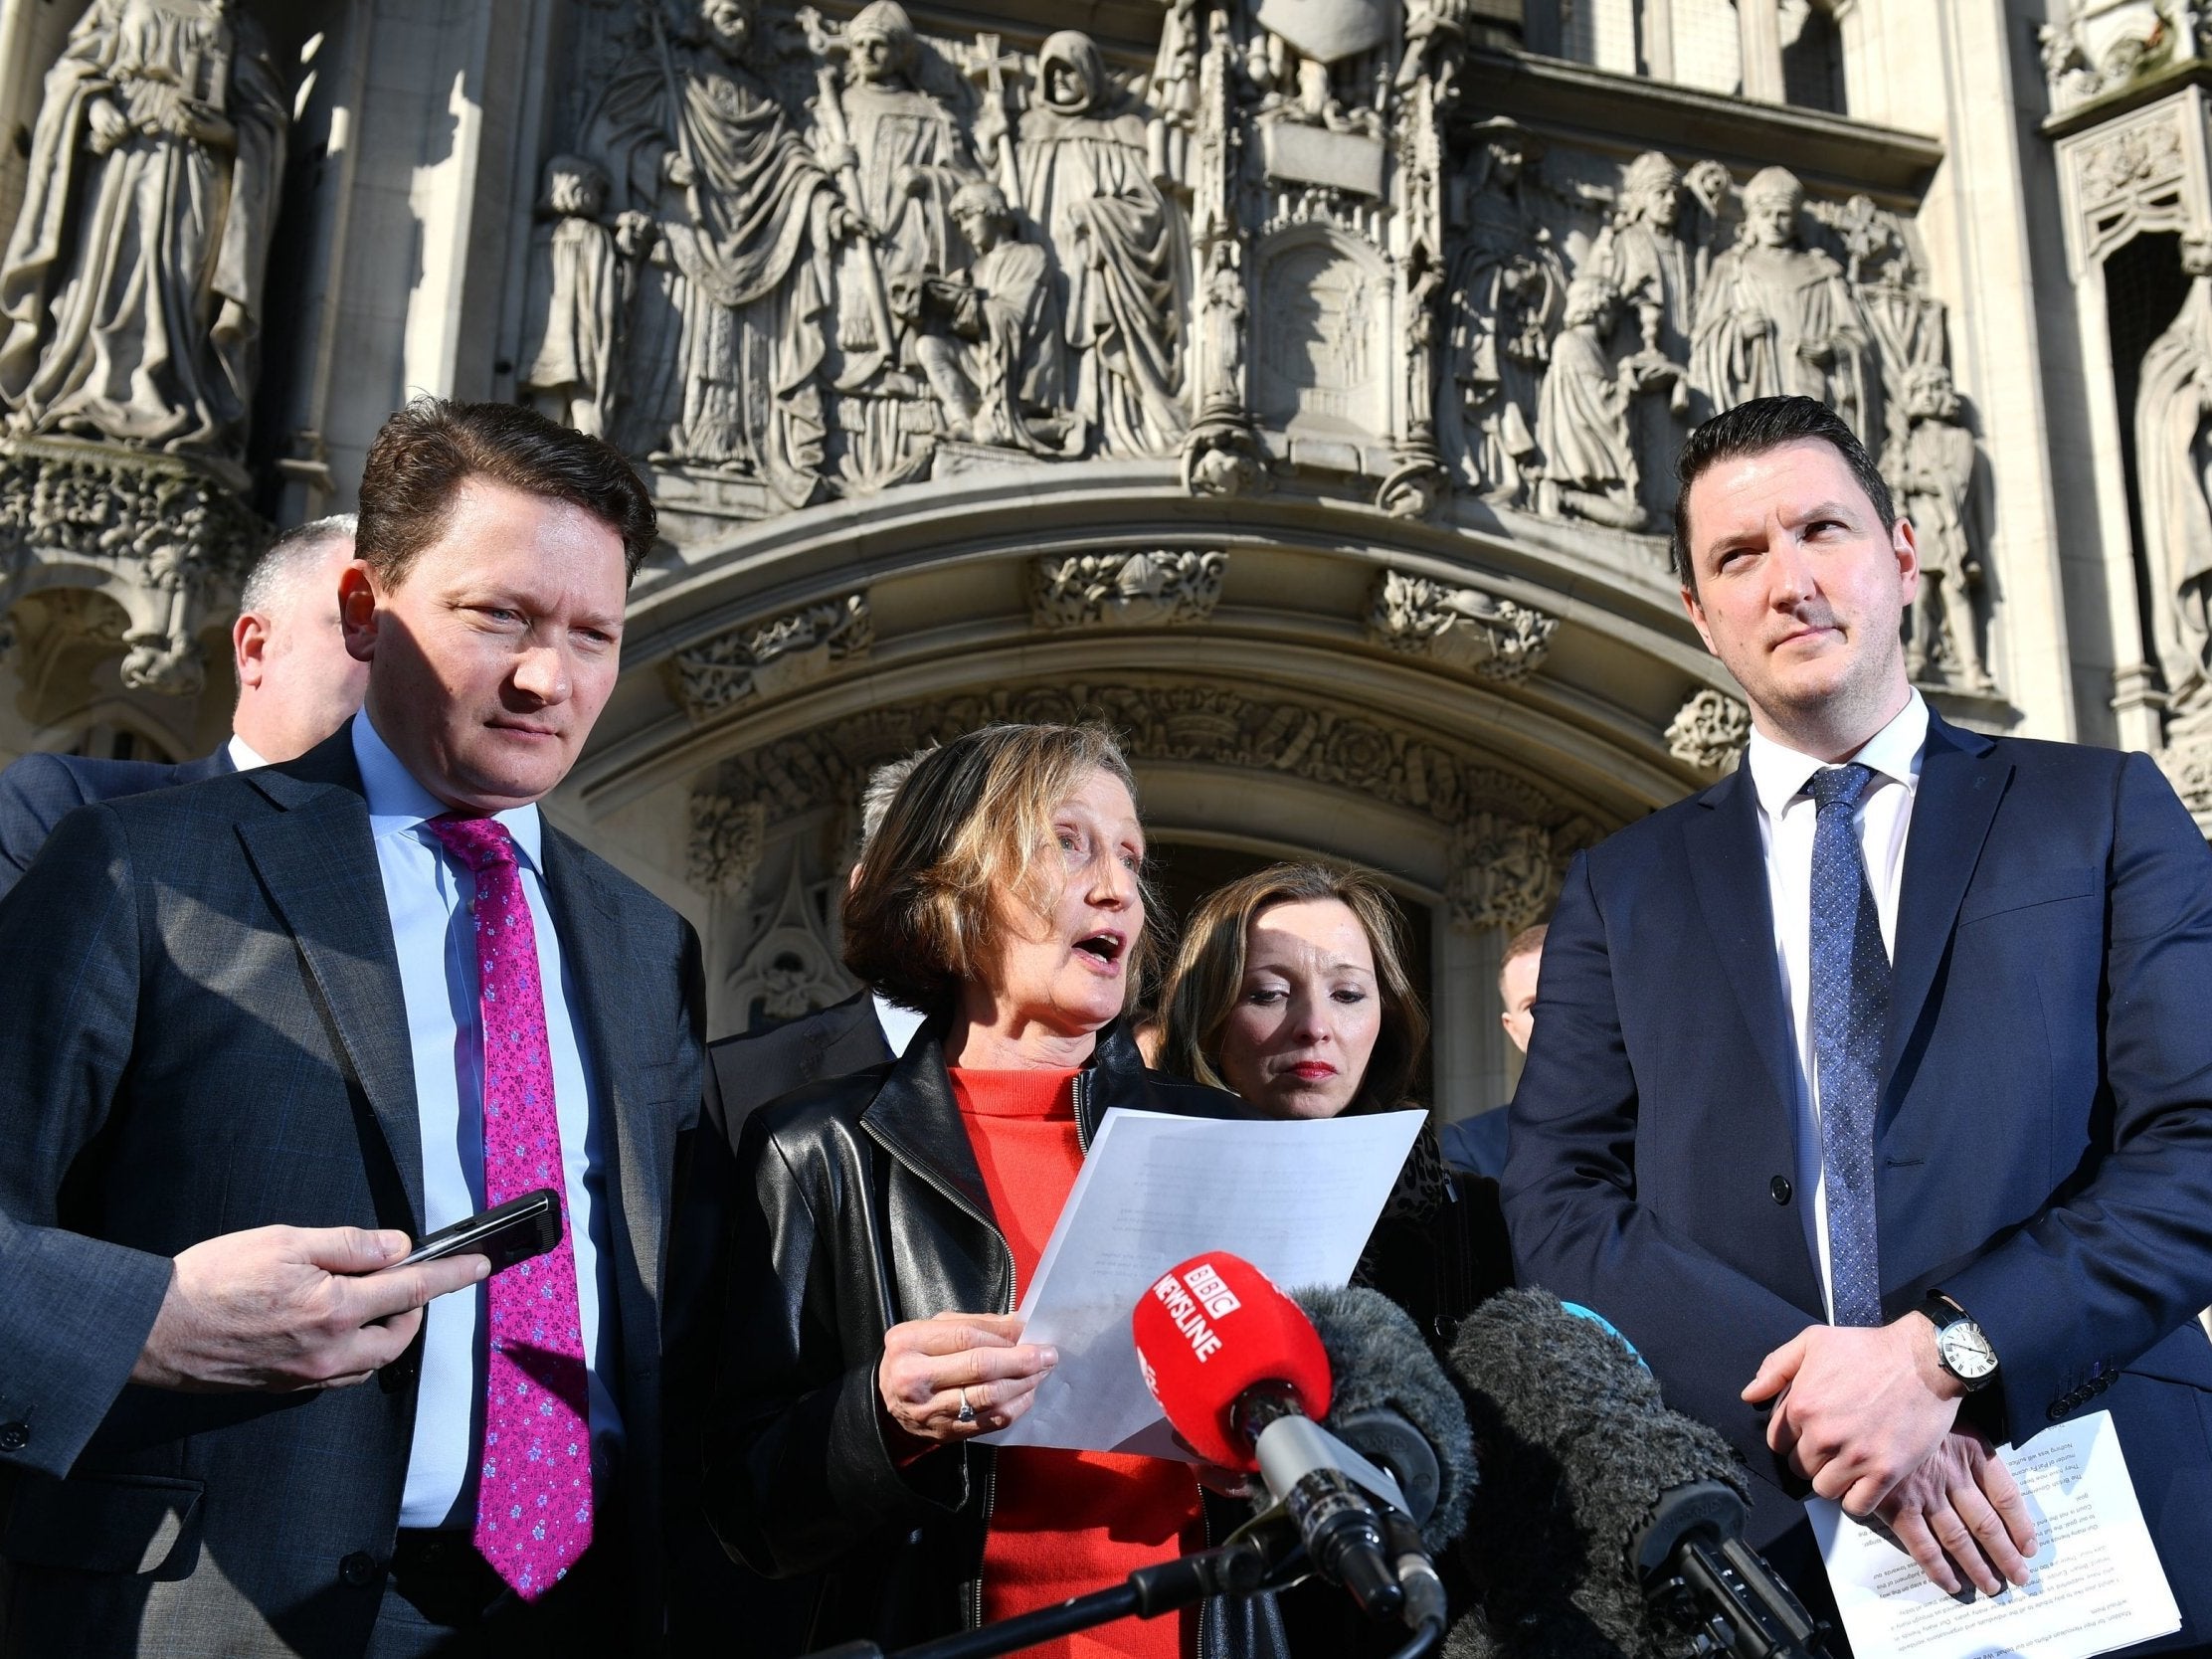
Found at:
[2173, 464]
[131, 288]
[1502, 873]
[728, 339]
[582, 271]
[901, 149]
[1776, 317]
[1507, 285]
[1936, 485]
[1642, 251]
[989, 337]
[1589, 459]
[1120, 245]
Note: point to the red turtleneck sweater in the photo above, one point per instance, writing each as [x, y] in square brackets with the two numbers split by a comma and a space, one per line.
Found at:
[1066, 1522]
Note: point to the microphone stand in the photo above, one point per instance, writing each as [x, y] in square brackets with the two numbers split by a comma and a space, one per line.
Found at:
[1238, 1567]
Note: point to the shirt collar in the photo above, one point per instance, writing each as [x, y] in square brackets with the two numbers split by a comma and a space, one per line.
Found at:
[398, 805]
[1779, 774]
[243, 757]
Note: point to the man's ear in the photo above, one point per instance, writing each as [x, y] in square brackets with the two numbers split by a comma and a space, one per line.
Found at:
[357, 611]
[1906, 546]
[1696, 613]
[250, 649]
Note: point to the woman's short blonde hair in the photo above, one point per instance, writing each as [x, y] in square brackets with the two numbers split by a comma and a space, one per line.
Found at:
[968, 829]
[1208, 975]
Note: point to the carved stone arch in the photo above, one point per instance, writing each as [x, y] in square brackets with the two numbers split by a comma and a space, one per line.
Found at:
[1322, 362]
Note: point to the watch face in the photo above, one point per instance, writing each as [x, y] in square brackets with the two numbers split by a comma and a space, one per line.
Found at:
[1966, 1351]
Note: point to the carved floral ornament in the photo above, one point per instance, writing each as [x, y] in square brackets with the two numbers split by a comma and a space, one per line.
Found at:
[163, 537]
[1710, 730]
[1125, 590]
[750, 796]
[1284, 245]
[769, 658]
[1460, 628]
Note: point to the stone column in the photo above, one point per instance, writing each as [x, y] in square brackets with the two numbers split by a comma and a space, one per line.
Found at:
[1759, 25]
[1655, 29]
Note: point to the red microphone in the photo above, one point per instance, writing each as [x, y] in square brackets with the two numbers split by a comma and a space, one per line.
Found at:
[1216, 1340]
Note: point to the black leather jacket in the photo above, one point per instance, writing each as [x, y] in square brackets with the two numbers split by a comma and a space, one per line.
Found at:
[860, 1206]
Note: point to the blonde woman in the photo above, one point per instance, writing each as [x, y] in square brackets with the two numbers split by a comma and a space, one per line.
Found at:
[888, 1222]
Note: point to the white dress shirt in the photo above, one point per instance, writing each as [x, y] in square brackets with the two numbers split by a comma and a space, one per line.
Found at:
[900, 1023]
[428, 895]
[243, 757]
[1786, 825]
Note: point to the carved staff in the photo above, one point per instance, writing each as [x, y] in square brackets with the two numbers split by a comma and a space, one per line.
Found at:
[830, 111]
[991, 66]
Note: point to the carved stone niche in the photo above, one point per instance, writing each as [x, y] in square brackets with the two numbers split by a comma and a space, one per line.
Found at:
[2106, 45]
[1710, 730]
[163, 536]
[1461, 628]
[768, 659]
[1324, 357]
[1125, 590]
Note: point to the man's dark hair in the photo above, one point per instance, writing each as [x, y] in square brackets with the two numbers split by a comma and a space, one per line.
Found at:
[428, 449]
[1752, 428]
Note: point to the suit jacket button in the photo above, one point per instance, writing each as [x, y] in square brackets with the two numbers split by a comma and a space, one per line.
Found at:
[1780, 1188]
[360, 1567]
[14, 1436]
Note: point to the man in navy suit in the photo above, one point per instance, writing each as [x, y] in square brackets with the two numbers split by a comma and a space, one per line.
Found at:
[296, 685]
[1477, 1145]
[1871, 1088]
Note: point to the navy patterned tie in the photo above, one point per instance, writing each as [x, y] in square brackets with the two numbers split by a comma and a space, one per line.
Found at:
[1850, 999]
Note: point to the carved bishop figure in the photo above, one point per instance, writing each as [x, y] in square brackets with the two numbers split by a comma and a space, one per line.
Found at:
[1935, 480]
[130, 292]
[1120, 243]
[1775, 317]
[728, 339]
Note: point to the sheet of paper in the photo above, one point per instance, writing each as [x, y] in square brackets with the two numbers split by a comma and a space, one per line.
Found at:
[1296, 1200]
[2096, 1583]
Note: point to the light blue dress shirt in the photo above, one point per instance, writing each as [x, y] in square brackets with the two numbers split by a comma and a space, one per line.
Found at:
[428, 894]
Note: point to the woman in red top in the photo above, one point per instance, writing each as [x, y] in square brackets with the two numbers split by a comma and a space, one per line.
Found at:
[893, 1219]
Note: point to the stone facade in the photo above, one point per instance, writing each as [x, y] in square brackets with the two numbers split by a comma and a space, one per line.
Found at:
[1297, 386]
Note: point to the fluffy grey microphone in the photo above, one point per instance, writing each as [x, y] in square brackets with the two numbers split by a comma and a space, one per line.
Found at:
[1577, 1449]
[1386, 1382]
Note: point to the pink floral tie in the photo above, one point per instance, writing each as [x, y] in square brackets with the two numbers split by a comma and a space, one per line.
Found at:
[534, 1492]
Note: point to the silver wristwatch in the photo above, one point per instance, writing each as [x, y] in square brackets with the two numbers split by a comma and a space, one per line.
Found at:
[1960, 1347]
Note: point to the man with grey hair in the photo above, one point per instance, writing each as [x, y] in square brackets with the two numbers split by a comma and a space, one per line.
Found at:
[297, 685]
[709, 1594]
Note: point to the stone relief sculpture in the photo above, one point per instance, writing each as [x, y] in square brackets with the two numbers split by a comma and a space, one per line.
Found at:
[2173, 464]
[899, 157]
[131, 288]
[989, 338]
[1126, 590]
[1123, 254]
[729, 333]
[1506, 289]
[831, 259]
[1710, 730]
[1776, 317]
[582, 277]
[1589, 462]
[1935, 478]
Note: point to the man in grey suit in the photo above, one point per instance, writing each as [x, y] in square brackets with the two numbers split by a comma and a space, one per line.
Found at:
[268, 1028]
[296, 685]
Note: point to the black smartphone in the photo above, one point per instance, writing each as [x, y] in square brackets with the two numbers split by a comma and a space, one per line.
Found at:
[513, 1231]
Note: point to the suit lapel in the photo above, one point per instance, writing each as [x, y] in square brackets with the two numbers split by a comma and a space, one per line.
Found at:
[600, 966]
[318, 863]
[1729, 867]
[1962, 779]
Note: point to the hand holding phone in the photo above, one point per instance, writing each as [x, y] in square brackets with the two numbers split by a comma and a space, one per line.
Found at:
[510, 1233]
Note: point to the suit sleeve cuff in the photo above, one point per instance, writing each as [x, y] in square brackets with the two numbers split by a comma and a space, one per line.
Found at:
[73, 1324]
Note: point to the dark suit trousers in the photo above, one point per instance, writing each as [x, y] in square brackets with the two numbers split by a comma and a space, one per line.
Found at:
[454, 1608]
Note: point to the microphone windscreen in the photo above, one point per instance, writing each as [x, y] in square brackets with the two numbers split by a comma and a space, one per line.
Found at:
[1211, 1329]
[1384, 1370]
[1576, 1447]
